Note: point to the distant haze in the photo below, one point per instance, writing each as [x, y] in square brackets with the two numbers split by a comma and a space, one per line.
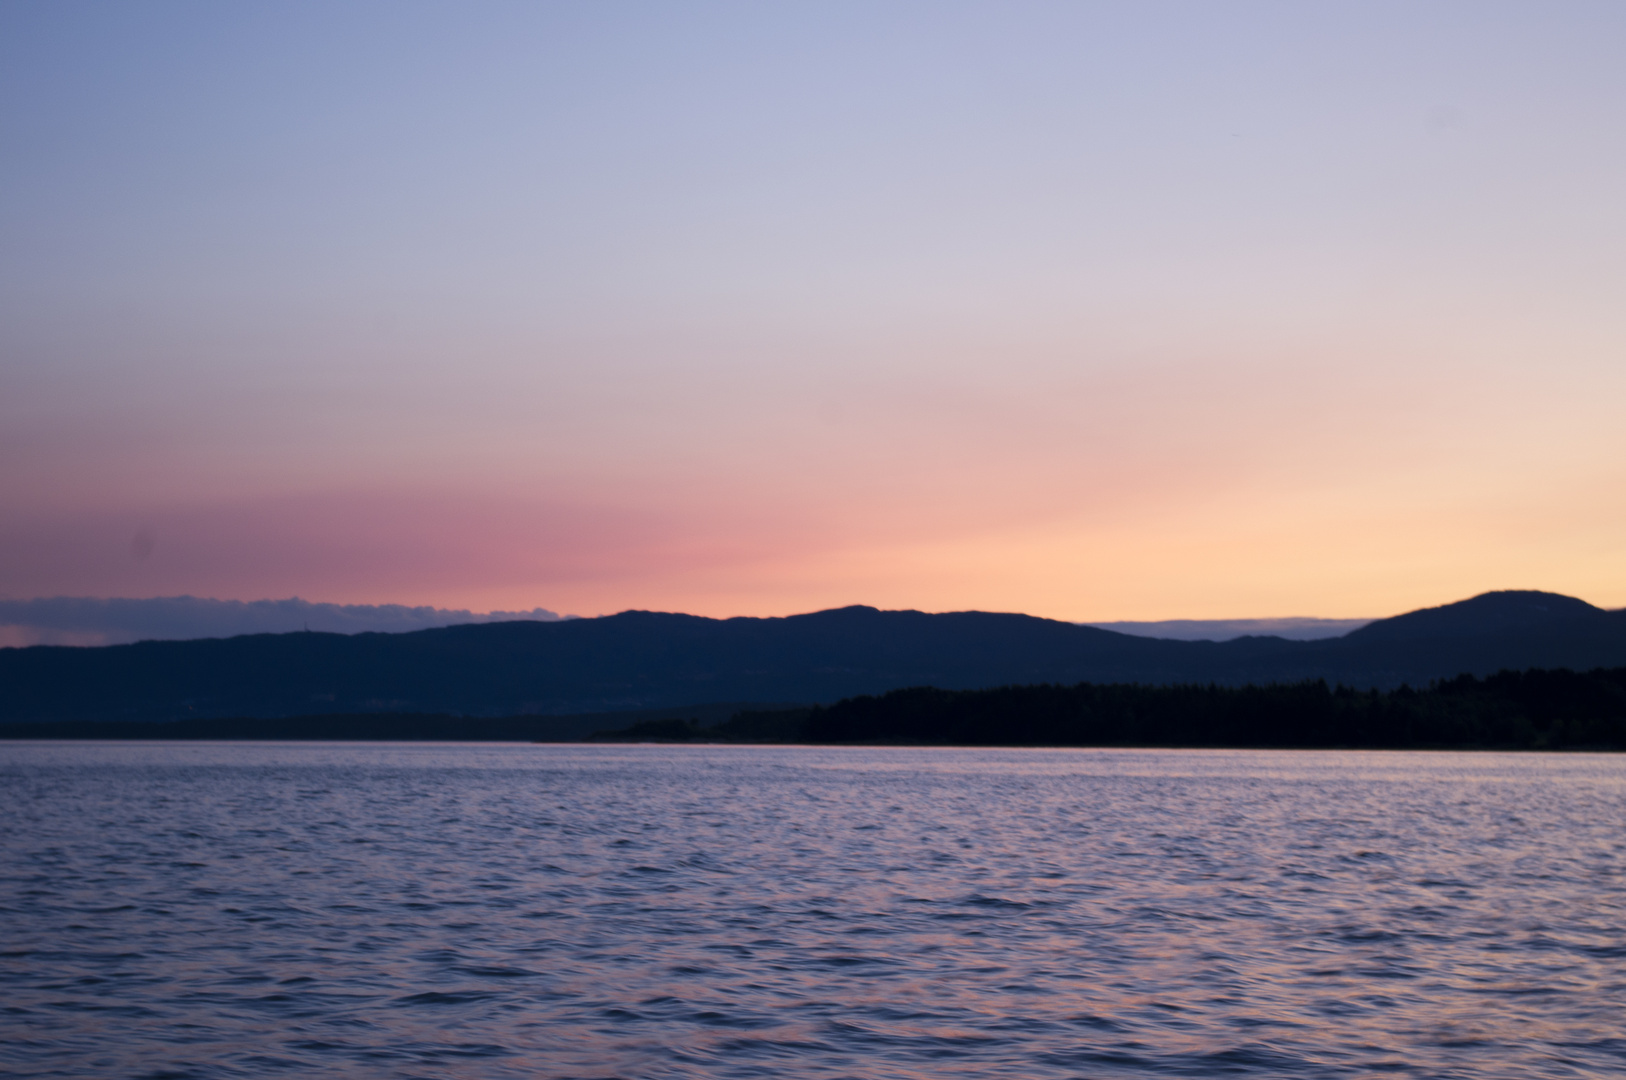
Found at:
[1226, 629]
[67, 620]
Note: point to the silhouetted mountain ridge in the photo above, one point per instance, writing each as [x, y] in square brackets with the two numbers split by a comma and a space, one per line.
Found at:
[1510, 611]
[653, 660]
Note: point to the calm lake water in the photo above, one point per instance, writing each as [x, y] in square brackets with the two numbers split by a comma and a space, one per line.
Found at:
[480, 911]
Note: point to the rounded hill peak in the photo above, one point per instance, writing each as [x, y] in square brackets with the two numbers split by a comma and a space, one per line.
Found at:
[1492, 613]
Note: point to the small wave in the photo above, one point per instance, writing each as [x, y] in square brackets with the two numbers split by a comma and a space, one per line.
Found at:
[467, 997]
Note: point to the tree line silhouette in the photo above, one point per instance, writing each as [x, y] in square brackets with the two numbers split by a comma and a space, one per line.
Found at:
[1536, 709]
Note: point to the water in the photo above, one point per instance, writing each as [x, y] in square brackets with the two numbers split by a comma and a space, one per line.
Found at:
[230, 910]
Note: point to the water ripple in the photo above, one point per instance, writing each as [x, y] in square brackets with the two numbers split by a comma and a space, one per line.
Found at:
[198, 910]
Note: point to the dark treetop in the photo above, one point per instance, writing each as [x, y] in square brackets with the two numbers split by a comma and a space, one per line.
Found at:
[1524, 710]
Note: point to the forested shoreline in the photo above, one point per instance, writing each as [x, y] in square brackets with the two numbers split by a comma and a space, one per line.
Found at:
[1531, 710]
[640, 661]
[1536, 709]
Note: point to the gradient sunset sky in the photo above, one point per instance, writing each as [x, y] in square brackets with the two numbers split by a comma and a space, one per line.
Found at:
[1092, 311]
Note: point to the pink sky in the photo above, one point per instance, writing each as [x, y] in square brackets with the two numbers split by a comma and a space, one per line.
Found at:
[1132, 312]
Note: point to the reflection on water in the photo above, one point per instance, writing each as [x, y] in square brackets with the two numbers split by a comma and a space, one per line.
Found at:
[229, 910]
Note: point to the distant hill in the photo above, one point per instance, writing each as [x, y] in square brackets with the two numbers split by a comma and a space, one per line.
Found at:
[80, 620]
[1490, 615]
[650, 660]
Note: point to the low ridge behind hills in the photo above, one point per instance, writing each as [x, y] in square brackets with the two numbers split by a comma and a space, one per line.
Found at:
[652, 660]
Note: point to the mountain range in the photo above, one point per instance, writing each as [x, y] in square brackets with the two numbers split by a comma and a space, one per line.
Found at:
[652, 660]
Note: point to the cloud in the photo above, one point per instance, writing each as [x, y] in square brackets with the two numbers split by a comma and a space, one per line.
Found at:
[69, 620]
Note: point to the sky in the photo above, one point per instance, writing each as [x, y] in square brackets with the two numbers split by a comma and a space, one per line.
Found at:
[1136, 311]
